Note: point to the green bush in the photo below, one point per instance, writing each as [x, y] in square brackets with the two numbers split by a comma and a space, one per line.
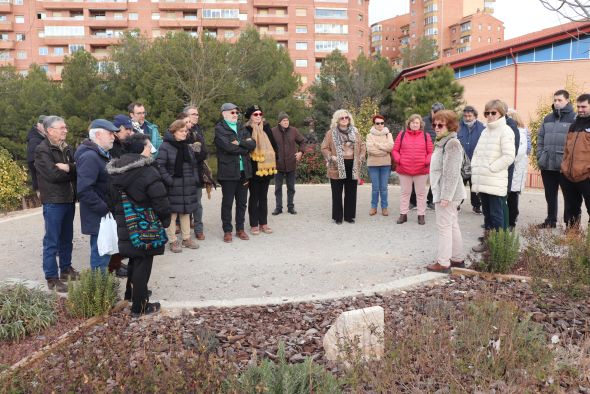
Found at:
[503, 251]
[312, 166]
[285, 378]
[24, 311]
[93, 295]
[13, 182]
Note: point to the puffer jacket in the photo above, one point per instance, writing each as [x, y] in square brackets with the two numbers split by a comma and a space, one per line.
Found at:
[551, 138]
[379, 147]
[445, 170]
[470, 137]
[576, 159]
[412, 153]
[56, 186]
[182, 191]
[521, 163]
[139, 178]
[493, 155]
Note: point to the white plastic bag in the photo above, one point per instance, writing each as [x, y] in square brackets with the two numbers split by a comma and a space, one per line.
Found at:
[108, 241]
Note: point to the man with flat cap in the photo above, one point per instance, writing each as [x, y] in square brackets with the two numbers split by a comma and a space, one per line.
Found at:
[91, 159]
[234, 144]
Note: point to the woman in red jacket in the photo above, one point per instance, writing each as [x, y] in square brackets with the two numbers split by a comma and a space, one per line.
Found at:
[411, 152]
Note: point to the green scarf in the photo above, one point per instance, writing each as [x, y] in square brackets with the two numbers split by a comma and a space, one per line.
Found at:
[441, 136]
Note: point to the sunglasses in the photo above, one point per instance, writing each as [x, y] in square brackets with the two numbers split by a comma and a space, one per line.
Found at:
[234, 112]
[257, 114]
[344, 117]
[438, 125]
[379, 123]
[488, 113]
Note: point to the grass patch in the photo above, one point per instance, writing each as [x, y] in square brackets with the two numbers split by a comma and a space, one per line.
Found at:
[24, 311]
[93, 295]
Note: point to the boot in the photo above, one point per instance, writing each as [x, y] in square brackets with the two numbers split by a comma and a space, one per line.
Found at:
[402, 218]
[421, 219]
[483, 245]
[384, 211]
[373, 212]
[175, 247]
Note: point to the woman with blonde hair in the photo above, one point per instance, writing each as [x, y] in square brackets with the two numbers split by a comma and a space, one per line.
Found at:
[412, 152]
[521, 163]
[379, 146]
[344, 151]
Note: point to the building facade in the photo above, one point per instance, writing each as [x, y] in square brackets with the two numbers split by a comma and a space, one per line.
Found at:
[46, 31]
[457, 26]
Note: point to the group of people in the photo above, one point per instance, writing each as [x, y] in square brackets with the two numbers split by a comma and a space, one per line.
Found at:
[128, 160]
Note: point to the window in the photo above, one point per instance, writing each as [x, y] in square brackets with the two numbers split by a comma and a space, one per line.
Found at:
[543, 54]
[155, 16]
[21, 55]
[42, 15]
[331, 13]
[301, 29]
[430, 20]
[280, 12]
[118, 16]
[221, 14]
[133, 16]
[301, 46]
[18, 2]
[4, 55]
[3, 18]
[318, 63]
[64, 31]
[526, 56]
[361, 17]
[465, 26]
[210, 33]
[58, 69]
[3, 36]
[327, 28]
[75, 47]
[303, 79]
[562, 50]
[190, 16]
[301, 63]
[58, 51]
[431, 31]
[581, 48]
[43, 51]
[19, 19]
[301, 12]
[329, 46]
[40, 33]
[481, 67]
[280, 29]
[156, 33]
[229, 34]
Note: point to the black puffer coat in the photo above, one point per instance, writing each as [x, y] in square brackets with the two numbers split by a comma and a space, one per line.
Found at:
[182, 192]
[228, 154]
[139, 178]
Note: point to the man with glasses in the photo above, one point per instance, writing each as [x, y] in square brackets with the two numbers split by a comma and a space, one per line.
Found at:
[56, 172]
[137, 114]
[234, 169]
[469, 132]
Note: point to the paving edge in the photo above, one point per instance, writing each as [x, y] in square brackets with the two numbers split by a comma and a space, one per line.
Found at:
[399, 284]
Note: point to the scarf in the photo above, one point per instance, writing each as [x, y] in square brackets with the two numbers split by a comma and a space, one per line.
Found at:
[183, 155]
[440, 136]
[470, 124]
[263, 154]
[376, 132]
[340, 138]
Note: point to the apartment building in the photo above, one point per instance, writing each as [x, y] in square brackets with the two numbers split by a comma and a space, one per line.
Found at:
[45, 31]
[457, 26]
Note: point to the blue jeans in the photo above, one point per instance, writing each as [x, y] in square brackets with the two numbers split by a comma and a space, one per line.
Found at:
[97, 261]
[379, 180]
[59, 232]
[493, 208]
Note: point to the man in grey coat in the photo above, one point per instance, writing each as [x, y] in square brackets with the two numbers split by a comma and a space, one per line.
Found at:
[550, 143]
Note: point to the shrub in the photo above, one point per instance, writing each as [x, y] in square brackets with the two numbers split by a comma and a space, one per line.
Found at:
[24, 311]
[285, 378]
[93, 295]
[312, 166]
[13, 182]
[503, 251]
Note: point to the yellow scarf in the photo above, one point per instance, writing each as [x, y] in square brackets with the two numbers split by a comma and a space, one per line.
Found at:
[264, 154]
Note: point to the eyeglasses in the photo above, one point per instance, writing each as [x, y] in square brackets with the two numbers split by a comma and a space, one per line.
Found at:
[141, 113]
[193, 114]
[344, 117]
[257, 114]
[234, 112]
[488, 113]
[438, 125]
[379, 123]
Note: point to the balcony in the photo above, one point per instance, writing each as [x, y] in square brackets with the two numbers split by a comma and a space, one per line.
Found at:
[270, 3]
[54, 59]
[113, 5]
[7, 62]
[62, 40]
[221, 22]
[63, 21]
[270, 19]
[5, 8]
[180, 23]
[102, 39]
[275, 34]
[107, 22]
[6, 26]
[6, 44]
[178, 5]
[63, 5]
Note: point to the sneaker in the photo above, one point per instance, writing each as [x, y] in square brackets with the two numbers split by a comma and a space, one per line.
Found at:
[277, 212]
[189, 243]
[57, 285]
[482, 247]
[255, 230]
[175, 247]
[151, 307]
[265, 229]
[546, 224]
[477, 210]
[430, 206]
[69, 274]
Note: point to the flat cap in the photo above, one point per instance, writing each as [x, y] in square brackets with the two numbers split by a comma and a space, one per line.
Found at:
[103, 124]
[228, 107]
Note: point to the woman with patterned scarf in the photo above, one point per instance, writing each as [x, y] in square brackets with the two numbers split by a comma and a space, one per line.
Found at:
[264, 167]
[344, 151]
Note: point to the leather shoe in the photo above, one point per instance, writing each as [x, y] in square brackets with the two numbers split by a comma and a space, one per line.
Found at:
[227, 237]
[436, 267]
[402, 218]
[200, 236]
[372, 211]
[121, 272]
[241, 234]
[421, 219]
[458, 264]
[292, 211]
[277, 212]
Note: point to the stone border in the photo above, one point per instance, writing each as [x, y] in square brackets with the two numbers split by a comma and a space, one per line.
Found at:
[489, 275]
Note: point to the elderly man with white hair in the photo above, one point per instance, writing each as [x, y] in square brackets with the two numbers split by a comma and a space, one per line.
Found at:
[91, 159]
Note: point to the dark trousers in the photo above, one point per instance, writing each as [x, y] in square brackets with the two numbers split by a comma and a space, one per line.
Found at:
[512, 201]
[230, 191]
[290, 177]
[140, 270]
[413, 196]
[573, 194]
[258, 200]
[551, 185]
[349, 186]
[57, 242]
[475, 202]
[493, 208]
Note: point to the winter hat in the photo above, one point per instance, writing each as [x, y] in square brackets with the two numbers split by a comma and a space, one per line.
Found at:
[470, 108]
[251, 110]
[437, 107]
[282, 116]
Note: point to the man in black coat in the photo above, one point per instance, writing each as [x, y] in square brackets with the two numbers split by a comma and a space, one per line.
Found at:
[34, 138]
[56, 171]
[234, 169]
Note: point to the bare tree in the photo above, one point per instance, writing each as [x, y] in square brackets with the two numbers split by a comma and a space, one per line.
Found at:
[574, 10]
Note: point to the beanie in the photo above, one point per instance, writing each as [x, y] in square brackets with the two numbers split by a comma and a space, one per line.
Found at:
[282, 116]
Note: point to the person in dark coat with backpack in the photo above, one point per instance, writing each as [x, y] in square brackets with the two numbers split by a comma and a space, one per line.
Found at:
[34, 138]
[136, 174]
[470, 130]
[178, 168]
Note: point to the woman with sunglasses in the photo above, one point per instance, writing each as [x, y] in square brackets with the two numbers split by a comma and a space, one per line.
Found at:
[411, 152]
[493, 155]
[344, 151]
[447, 191]
[264, 168]
[379, 146]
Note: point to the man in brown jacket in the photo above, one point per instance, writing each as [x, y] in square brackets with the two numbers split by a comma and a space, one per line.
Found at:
[291, 147]
[575, 166]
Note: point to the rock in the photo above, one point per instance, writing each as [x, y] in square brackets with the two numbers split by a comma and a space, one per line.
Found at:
[538, 317]
[358, 330]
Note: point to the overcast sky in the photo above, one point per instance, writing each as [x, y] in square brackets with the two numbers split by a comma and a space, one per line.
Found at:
[519, 16]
